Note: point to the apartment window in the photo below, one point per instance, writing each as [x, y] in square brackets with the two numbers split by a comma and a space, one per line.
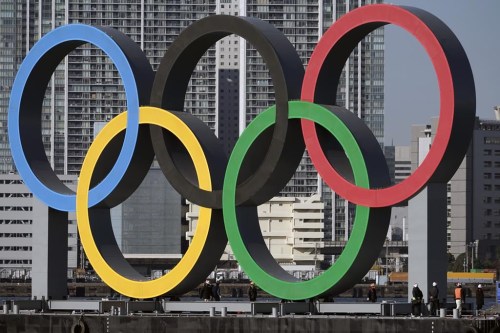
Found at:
[16, 235]
[16, 208]
[492, 140]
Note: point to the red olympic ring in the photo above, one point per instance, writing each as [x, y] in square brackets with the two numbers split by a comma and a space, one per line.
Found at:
[455, 117]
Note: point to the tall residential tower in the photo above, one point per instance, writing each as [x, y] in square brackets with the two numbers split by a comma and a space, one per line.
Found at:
[223, 91]
[361, 87]
[86, 88]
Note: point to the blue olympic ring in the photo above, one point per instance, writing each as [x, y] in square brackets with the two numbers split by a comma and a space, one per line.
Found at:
[71, 34]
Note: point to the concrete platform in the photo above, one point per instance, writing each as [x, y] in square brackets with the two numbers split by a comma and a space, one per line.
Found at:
[125, 307]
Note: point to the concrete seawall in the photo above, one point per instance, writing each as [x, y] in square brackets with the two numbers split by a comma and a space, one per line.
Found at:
[150, 323]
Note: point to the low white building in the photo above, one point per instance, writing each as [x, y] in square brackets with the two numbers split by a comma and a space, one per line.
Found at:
[292, 229]
[17, 216]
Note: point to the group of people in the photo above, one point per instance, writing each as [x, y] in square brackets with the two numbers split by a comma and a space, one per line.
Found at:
[459, 294]
[209, 292]
[418, 298]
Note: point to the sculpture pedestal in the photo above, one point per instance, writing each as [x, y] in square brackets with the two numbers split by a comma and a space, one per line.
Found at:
[427, 250]
[50, 252]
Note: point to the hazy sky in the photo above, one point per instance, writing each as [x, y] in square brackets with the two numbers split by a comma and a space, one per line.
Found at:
[411, 92]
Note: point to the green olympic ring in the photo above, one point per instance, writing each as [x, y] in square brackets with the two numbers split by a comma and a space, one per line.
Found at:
[272, 278]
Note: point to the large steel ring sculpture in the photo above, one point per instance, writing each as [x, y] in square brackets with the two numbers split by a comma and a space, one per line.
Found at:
[343, 149]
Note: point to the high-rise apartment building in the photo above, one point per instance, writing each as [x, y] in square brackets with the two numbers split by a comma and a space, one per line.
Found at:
[86, 87]
[87, 90]
[21, 24]
[361, 91]
[361, 87]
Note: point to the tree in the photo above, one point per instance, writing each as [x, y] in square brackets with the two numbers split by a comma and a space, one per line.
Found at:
[451, 262]
[458, 265]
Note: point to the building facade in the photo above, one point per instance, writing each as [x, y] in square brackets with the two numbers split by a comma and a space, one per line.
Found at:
[292, 229]
[399, 162]
[18, 213]
[87, 90]
[228, 81]
[484, 160]
[361, 89]
[150, 218]
[473, 192]
[86, 87]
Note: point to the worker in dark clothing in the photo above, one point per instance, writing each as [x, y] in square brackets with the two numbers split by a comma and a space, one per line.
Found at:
[434, 299]
[216, 291]
[206, 291]
[252, 292]
[416, 301]
[372, 293]
[479, 297]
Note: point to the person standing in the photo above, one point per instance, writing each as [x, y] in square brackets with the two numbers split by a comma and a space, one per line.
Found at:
[459, 298]
[252, 292]
[206, 291]
[372, 293]
[216, 291]
[416, 301]
[479, 297]
[434, 299]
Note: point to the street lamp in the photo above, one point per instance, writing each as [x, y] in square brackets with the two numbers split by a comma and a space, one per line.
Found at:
[472, 245]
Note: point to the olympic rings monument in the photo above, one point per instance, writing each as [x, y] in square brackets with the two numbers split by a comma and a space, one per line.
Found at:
[229, 188]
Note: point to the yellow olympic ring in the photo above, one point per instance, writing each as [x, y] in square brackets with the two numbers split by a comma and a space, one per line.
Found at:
[120, 283]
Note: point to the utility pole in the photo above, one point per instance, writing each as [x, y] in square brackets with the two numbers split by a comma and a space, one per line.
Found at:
[472, 254]
[466, 258]
[387, 258]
